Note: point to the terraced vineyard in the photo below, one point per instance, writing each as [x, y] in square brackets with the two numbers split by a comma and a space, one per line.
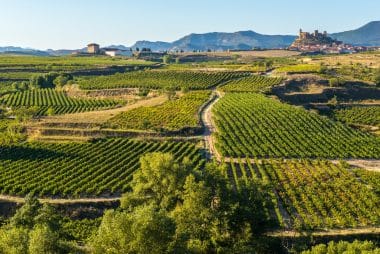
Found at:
[316, 194]
[58, 101]
[160, 79]
[104, 167]
[251, 84]
[252, 125]
[173, 115]
[366, 115]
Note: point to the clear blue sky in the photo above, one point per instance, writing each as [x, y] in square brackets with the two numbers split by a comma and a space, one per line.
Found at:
[73, 23]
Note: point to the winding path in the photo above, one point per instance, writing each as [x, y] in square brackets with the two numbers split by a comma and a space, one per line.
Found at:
[209, 126]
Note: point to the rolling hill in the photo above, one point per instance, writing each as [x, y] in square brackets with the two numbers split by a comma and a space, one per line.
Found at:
[367, 35]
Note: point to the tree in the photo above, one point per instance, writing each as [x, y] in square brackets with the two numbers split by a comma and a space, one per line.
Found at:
[62, 80]
[377, 78]
[36, 81]
[43, 240]
[14, 240]
[159, 181]
[167, 59]
[334, 82]
[25, 216]
[344, 247]
[145, 230]
[50, 111]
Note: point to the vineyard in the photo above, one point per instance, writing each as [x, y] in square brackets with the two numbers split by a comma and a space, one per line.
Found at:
[316, 194]
[102, 167]
[45, 99]
[299, 68]
[173, 115]
[160, 80]
[368, 115]
[251, 84]
[252, 125]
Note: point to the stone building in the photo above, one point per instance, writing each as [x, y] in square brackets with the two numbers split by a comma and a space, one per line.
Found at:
[93, 48]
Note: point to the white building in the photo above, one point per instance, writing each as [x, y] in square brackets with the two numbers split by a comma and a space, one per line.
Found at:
[117, 52]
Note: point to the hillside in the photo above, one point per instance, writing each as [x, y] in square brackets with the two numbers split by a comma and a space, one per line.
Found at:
[221, 41]
[367, 35]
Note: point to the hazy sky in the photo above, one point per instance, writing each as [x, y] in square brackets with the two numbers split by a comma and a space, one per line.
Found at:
[74, 23]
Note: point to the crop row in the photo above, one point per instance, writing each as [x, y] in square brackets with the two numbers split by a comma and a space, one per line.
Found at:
[160, 80]
[359, 115]
[315, 194]
[252, 83]
[175, 114]
[51, 98]
[252, 125]
[102, 167]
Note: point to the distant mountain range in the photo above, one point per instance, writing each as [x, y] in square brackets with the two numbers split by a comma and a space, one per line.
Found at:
[367, 35]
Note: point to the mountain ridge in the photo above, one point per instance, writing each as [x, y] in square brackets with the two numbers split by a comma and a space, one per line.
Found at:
[367, 35]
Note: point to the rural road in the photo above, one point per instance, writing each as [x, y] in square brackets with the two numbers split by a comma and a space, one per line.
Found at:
[209, 127]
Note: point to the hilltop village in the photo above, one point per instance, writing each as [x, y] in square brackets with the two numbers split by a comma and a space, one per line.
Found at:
[317, 42]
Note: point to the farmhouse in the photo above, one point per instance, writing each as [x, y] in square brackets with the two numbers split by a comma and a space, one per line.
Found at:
[93, 48]
[117, 52]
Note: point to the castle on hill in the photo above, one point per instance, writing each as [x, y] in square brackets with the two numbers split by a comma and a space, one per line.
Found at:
[314, 39]
[321, 43]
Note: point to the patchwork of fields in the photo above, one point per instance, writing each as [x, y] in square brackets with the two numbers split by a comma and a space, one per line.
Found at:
[253, 136]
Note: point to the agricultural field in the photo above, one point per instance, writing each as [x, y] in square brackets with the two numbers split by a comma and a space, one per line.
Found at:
[174, 115]
[63, 62]
[160, 80]
[315, 194]
[251, 84]
[252, 125]
[103, 167]
[57, 101]
[299, 68]
[358, 115]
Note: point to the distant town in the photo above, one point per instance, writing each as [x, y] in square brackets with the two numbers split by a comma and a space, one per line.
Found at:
[321, 43]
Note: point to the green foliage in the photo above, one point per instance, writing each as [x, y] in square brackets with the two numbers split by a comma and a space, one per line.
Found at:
[357, 71]
[176, 114]
[343, 247]
[316, 194]
[43, 240]
[167, 59]
[62, 79]
[160, 80]
[336, 82]
[252, 125]
[51, 99]
[11, 132]
[159, 179]
[79, 230]
[174, 208]
[144, 230]
[31, 230]
[80, 169]
[251, 84]
[365, 115]
[25, 216]
[300, 68]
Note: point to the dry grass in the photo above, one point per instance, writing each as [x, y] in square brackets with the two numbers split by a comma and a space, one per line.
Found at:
[370, 60]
